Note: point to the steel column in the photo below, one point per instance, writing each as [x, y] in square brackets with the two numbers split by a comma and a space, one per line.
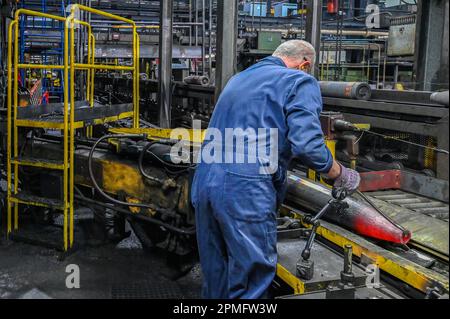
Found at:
[431, 60]
[165, 63]
[227, 29]
[313, 28]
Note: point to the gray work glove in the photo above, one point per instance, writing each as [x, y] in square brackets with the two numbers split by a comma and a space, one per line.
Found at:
[349, 180]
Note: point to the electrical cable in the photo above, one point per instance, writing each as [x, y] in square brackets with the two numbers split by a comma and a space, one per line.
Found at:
[141, 163]
[359, 138]
[97, 187]
[169, 164]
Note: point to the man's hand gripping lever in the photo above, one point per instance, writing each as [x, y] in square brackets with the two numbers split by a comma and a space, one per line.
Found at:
[305, 266]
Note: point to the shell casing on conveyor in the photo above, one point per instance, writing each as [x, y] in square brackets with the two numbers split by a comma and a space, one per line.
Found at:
[360, 217]
[440, 98]
[346, 90]
[197, 79]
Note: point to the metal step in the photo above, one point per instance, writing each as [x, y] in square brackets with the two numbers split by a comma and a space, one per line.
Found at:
[41, 163]
[39, 235]
[146, 290]
[32, 200]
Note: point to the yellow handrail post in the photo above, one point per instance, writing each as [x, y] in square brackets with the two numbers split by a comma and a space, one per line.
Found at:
[88, 75]
[16, 129]
[88, 71]
[138, 98]
[134, 77]
[88, 86]
[72, 128]
[9, 123]
[93, 72]
[91, 76]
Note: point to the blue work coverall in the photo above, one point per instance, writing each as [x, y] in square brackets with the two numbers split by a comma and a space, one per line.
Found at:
[236, 204]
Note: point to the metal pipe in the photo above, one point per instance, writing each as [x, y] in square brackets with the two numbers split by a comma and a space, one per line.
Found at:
[146, 26]
[203, 36]
[348, 90]
[165, 63]
[190, 32]
[82, 66]
[440, 98]
[196, 30]
[210, 37]
[253, 14]
[197, 79]
[364, 33]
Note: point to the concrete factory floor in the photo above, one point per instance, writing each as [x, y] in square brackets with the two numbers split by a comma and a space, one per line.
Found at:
[109, 271]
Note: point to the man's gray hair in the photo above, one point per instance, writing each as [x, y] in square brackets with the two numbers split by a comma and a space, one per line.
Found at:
[295, 50]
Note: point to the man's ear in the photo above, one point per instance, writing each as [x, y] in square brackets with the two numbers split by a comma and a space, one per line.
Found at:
[304, 66]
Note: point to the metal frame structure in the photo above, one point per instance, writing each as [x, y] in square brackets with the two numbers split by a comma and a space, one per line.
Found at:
[58, 52]
[68, 125]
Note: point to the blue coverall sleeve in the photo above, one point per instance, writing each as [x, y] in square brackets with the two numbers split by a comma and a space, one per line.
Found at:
[303, 108]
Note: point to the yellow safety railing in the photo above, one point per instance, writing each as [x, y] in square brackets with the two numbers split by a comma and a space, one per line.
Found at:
[9, 123]
[69, 67]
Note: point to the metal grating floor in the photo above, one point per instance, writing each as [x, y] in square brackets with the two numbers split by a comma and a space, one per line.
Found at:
[147, 290]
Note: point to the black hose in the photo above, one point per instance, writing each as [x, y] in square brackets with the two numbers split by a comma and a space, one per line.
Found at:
[190, 231]
[97, 187]
[141, 165]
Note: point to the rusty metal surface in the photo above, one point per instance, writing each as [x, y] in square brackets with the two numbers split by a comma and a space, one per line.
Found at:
[419, 184]
[380, 180]
[402, 40]
[425, 186]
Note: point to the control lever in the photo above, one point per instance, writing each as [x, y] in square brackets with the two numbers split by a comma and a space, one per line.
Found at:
[305, 266]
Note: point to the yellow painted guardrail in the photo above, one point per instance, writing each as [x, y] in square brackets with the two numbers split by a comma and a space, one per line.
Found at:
[69, 125]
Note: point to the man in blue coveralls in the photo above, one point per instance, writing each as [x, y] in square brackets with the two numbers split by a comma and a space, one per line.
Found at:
[236, 201]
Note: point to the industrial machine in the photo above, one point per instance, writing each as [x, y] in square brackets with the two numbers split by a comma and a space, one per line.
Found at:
[129, 175]
[98, 158]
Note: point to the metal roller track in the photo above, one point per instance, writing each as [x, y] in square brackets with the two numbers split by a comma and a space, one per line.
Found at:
[424, 205]
[431, 238]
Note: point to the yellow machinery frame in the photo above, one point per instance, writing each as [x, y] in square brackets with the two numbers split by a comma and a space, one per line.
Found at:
[68, 126]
